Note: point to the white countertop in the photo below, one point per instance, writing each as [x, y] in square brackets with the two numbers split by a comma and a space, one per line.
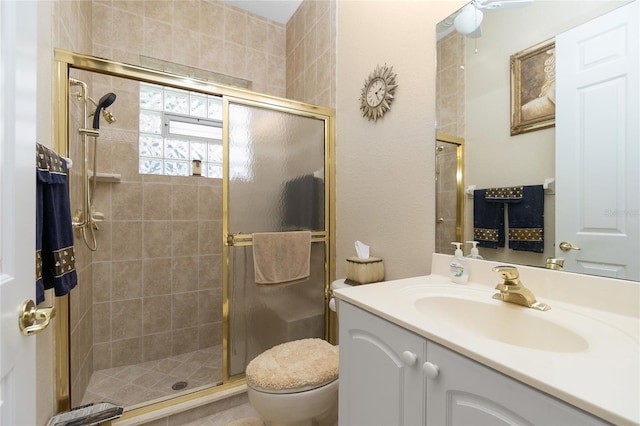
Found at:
[602, 376]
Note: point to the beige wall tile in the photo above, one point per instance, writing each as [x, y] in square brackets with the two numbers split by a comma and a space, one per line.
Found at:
[185, 340]
[127, 201]
[209, 237]
[184, 238]
[157, 201]
[160, 10]
[101, 322]
[185, 274]
[156, 239]
[133, 6]
[156, 277]
[235, 26]
[210, 335]
[210, 201]
[190, 16]
[126, 319]
[125, 160]
[184, 308]
[212, 19]
[185, 47]
[130, 30]
[127, 280]
[102, 356]
[184, 202]
[101, 281]
[156, 316]
[208, 306]
[157, 346]
[125, 352]
[209, 271]
[127, 240]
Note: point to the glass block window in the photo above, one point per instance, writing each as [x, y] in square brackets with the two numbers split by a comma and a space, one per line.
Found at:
[177, 127]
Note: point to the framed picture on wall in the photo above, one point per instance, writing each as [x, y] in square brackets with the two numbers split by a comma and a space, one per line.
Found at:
[533, 88]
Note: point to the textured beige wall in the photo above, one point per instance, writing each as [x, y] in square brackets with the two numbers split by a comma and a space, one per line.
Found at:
[385, 170]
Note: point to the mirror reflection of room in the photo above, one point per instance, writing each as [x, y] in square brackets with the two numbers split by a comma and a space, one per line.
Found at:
[475, 96]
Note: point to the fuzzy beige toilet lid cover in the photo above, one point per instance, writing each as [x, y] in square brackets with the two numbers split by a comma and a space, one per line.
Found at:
[294, 366]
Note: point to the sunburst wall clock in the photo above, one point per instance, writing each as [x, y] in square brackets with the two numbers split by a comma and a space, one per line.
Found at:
[378, 92]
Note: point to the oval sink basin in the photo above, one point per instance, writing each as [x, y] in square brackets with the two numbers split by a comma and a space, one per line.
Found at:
[501, 321]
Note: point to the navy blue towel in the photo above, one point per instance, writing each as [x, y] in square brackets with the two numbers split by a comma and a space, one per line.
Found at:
[55, 258]
[488, 220]
[526, 220]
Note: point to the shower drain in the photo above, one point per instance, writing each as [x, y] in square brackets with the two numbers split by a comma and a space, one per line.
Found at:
[179, 385]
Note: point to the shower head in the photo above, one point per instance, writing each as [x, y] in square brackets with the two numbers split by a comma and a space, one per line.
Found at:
[101, 106]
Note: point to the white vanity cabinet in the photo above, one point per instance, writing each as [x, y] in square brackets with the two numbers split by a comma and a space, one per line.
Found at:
[392, 376]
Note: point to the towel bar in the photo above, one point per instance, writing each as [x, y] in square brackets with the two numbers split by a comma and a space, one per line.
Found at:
[548, 185]
[241, 239]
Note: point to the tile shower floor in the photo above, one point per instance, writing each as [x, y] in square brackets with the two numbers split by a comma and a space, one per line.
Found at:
[131, 385]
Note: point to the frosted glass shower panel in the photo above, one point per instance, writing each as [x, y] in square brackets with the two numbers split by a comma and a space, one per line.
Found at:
[276, 183]
[276, 170]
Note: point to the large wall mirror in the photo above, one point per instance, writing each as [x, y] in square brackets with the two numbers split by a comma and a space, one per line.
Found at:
[586, 157]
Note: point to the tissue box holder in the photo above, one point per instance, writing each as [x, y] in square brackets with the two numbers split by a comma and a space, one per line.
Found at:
[364, 271]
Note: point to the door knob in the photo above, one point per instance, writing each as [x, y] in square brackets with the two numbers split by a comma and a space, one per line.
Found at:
[33, 320]
[565, 246]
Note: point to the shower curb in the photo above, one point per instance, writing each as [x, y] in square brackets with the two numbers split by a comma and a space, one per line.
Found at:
[188, 411]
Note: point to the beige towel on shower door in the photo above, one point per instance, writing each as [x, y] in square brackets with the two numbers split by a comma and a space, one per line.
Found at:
[280, 257]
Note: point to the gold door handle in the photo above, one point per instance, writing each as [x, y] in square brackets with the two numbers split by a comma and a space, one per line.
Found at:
[29, 316]
[565, 246]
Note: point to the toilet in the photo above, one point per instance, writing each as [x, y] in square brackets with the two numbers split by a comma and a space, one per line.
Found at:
[295, 383]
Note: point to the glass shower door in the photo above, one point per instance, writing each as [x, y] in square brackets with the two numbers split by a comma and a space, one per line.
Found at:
[276, 177]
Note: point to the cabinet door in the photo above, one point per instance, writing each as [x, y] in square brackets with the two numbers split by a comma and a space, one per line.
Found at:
[381, 381]
[468, 393]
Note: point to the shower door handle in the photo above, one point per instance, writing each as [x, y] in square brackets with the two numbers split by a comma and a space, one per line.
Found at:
[33, 320]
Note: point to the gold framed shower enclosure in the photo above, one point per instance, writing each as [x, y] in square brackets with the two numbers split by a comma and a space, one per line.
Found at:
[65, 61]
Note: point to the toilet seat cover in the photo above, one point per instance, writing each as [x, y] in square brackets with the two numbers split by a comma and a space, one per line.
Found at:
[294, 367]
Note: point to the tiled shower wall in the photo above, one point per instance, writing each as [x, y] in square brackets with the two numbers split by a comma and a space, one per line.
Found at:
[450, 118]
[311, 53]
[450, 85]
[202, 34]
[156, 276]
[71, 29]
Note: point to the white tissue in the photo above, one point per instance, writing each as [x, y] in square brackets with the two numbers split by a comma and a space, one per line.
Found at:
[362, 250]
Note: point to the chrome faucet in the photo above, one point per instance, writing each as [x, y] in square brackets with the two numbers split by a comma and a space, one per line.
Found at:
[513, 291]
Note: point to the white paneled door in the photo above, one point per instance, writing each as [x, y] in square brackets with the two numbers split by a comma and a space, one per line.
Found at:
[18, 68]
[597, 148]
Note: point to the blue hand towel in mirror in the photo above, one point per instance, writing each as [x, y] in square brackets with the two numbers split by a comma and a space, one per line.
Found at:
[488, 220]
[526, 220]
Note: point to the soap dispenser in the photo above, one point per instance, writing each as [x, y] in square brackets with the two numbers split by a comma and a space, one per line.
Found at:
[474, 254]
[458, 266]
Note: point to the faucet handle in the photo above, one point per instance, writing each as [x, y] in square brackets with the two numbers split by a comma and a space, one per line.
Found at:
[508, 273]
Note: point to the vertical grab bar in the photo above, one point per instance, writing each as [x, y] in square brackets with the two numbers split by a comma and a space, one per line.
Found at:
[83, 219]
